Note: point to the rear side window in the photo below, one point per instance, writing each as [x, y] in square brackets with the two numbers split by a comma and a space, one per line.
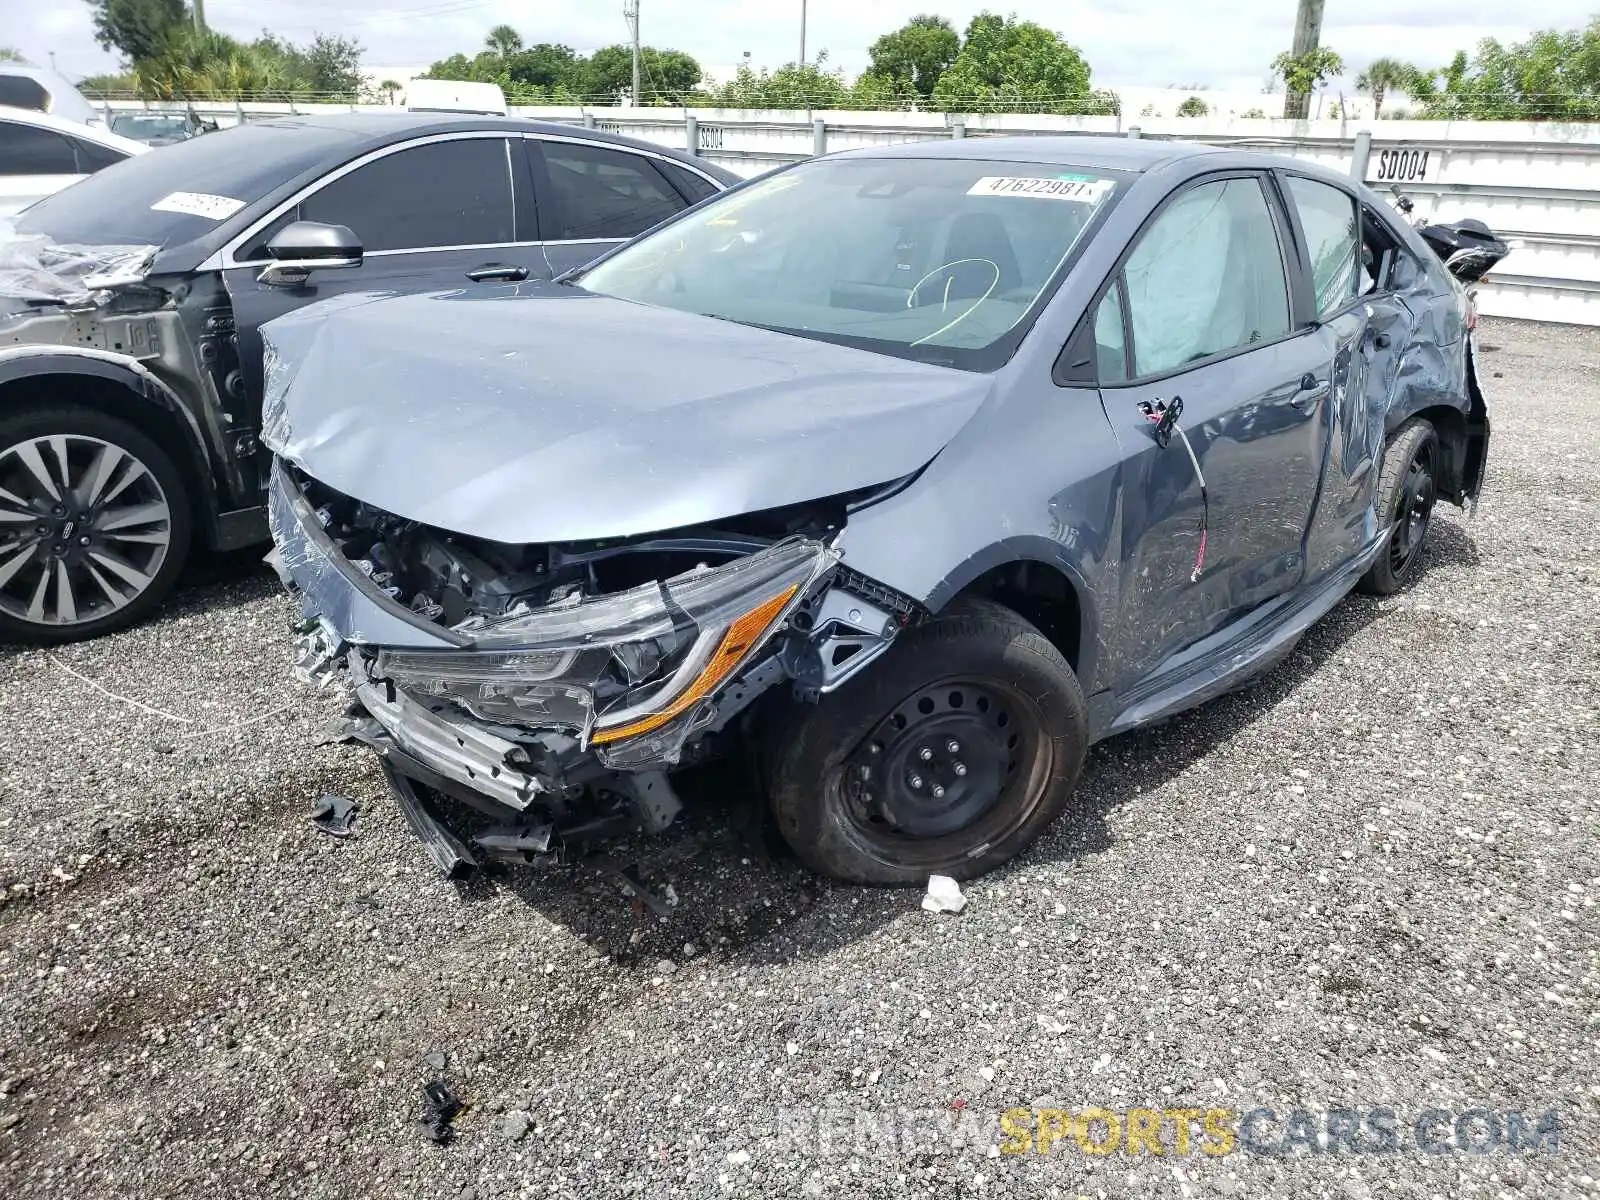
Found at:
[1110, 350]
[455, 193]
[25, 150]
[19, 91]
[696, 187]
[1207, 277]
[1328, 217]
[599, 192]
[92, 157]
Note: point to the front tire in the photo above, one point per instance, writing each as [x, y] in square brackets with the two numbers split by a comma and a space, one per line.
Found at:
[947, 757]
[95, 523]
[1407, 492]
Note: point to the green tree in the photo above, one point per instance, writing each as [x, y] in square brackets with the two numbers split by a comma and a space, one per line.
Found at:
[546, 66]
[120, 83]
[1010, 64]
[138, 28]
[503, 40]
[11, 54]
[917, 53]
[1382, 76]
[1193, 107]
[790, 86]
[1552, 76]
[1304, 75]
[389, 88]
[666, 76]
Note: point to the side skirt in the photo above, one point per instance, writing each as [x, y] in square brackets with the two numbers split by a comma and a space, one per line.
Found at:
[1229, 658]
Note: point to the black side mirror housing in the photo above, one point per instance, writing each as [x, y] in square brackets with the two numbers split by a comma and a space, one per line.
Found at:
[305, 246]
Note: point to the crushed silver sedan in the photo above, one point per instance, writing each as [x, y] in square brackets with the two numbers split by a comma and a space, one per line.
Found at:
[912, 472]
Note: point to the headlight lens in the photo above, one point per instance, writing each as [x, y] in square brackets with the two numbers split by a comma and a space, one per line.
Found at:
[619, 666]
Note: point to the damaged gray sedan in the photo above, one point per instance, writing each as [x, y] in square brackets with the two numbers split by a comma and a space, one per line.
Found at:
[911, 473]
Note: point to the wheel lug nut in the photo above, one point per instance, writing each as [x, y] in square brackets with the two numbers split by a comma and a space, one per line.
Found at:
[925, 754]
[915, 781]
[84, 540]
[953, 746]
[959, 768]
[59, 511]
[938, 792]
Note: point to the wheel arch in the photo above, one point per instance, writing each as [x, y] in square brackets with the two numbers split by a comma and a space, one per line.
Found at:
[122, 388]
[1028, 576]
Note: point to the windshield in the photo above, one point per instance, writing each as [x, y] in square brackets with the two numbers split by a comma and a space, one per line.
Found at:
[150, 127]
[183, 191]
[934, 259]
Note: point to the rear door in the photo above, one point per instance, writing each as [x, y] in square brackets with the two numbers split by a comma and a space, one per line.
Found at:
[1367, 327]
[34, 162]
[1201, 310]
[592, 196]
[435, 213]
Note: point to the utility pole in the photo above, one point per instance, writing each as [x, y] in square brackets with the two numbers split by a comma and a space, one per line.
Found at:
[1307, 33]
[199, 15]
[630, 10]
[802, 32]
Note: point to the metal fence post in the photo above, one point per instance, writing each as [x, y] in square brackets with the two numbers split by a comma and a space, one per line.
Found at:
[1134, 131]
[588, 120]
[1358, 162]
[691, 132]
[238, 110]
[819, 137]
[958, 127]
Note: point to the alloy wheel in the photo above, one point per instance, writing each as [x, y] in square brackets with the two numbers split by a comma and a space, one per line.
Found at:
[85, 527]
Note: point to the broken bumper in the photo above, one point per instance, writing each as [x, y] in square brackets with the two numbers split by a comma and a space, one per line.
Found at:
[519, 717]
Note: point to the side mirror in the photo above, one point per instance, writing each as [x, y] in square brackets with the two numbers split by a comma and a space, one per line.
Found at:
[305, 246]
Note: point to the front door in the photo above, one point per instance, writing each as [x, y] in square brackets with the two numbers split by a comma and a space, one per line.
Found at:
[435, 214]
[1201, 312]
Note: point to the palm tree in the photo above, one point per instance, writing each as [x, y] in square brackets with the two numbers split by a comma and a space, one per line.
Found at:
[389, 87]
[503, 40]
[1381, 76]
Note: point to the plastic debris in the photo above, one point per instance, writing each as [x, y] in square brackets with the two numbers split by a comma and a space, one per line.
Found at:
[944, 895]
[335, 815]
[440, 1106]
[33, 268]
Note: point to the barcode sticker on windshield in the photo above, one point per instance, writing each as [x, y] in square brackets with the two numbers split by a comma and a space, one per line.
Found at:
[1083, 191]
[198, 204]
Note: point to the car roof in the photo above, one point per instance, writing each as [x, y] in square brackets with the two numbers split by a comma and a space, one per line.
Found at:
[97, 134]
[379, 129]
[1066, 150]
[65, 100]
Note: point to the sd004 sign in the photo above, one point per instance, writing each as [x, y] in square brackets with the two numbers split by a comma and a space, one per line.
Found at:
[1403, 166]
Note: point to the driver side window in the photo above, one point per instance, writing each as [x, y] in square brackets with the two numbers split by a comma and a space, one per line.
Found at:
[1205, 278]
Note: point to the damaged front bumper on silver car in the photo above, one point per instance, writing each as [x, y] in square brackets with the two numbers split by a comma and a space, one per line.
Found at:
[546, 726]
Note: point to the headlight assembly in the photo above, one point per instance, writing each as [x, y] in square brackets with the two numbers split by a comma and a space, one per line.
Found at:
[619, 667]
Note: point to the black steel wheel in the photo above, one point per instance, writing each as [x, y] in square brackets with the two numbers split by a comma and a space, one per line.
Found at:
[947, 757]
[94, 524]
[1408, 489]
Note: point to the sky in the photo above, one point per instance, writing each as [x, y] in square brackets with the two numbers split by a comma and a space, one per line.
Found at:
[1221, 44]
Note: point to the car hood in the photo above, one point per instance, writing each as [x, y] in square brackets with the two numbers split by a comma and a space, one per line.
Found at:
[543, 413]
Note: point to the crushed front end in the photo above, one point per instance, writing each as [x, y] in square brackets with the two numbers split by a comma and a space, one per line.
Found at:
[529, 698]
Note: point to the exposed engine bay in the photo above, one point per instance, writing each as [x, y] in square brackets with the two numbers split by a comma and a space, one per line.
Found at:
[569, 678]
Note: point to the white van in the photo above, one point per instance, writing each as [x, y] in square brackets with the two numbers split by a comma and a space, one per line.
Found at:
[455, 95]
[25, 86]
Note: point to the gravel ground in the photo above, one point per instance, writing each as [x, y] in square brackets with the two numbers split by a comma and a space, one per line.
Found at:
[1367, 882]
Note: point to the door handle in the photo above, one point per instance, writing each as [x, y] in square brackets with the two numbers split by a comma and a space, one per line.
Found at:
[1311, 388]
[503, 271]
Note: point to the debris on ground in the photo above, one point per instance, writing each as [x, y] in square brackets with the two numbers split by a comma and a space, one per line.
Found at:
[436, 1060]
[335, 815]
[513, 1126]
[944, 895]
[440, 1106]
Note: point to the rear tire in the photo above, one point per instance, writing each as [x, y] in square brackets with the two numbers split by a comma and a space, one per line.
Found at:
[976, 705]
[95, 523]
[1407, 492]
